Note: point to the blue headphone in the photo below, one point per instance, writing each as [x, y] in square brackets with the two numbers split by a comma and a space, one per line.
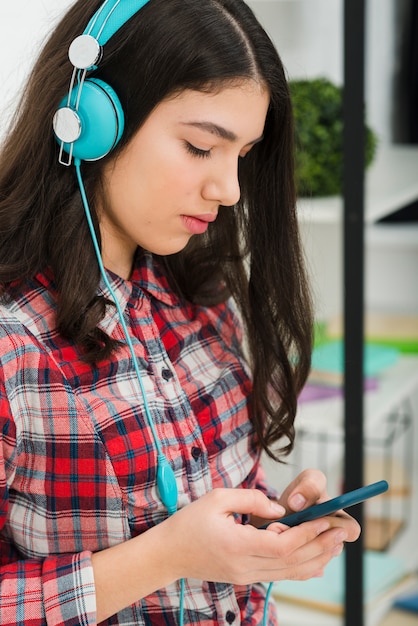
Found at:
[89, 121]
[88, 125]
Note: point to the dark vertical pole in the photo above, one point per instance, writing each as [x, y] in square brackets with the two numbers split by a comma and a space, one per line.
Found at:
[353, 239]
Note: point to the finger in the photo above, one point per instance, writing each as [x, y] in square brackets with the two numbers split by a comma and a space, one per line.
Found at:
[292, 540]
[340, 519]
[348, 523]
[309, 487]
[247, 501]
[304, 553]
[299, 569]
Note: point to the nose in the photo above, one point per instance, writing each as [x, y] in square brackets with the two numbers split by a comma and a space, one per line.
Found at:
[222, 185]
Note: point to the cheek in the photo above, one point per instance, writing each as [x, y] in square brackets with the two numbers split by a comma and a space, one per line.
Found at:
[155, 174]
[174, 179]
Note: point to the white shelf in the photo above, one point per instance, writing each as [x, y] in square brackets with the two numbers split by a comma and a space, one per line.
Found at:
[397, 391]
[391, 184]
[396, 384]
[399, 236]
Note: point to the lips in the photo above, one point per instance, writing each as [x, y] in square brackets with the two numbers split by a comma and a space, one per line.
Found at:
[198, 224]
[207, 217]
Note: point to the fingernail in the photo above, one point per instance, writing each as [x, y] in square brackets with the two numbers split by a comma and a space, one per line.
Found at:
[277, 508]
[297, 502]
[338, 549]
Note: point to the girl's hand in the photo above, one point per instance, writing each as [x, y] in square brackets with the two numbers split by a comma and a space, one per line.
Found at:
[204, 541]
[310, 488]
[207, 543]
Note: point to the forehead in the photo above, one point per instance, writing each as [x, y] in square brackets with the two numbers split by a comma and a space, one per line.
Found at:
[240, 108]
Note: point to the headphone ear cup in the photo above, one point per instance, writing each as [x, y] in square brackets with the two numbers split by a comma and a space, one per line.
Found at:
[101, 120]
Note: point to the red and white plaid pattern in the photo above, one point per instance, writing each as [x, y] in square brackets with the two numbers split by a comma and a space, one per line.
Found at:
[78, 461]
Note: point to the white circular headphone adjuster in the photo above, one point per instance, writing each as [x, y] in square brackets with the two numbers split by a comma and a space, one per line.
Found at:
[67, 125]
[84, 52]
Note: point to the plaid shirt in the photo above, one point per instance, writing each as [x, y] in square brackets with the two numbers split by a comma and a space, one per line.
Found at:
[77, 458]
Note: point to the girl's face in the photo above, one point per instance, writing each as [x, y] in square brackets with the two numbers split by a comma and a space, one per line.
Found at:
[168, 183]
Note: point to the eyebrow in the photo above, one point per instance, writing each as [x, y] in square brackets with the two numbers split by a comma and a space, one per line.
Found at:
[220, 131]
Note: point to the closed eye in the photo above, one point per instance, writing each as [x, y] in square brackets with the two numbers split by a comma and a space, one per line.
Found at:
[197, 152]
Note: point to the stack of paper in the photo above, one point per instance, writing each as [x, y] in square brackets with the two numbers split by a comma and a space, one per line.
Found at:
[328, 362]
[399, 331]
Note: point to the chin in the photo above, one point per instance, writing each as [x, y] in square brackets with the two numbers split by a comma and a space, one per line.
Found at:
[170, 248]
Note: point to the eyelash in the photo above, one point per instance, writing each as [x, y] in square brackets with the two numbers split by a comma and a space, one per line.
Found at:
[197, 152]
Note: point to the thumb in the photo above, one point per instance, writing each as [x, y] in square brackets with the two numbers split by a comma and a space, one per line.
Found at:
[253, 502]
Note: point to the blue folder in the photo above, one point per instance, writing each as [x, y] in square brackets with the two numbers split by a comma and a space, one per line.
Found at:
[408, 602]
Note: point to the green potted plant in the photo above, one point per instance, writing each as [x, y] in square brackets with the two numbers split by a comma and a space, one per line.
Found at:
[318, 115]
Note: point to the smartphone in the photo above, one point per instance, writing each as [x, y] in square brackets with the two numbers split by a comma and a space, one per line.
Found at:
[332, 506]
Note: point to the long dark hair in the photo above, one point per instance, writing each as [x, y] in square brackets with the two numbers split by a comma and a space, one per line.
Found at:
[251, 252]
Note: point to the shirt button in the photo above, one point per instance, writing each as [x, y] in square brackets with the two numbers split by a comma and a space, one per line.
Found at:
[167, 374]
[196, 453]
[230, 617]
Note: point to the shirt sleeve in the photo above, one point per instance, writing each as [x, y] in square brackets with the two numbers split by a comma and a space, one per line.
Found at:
[58, 590]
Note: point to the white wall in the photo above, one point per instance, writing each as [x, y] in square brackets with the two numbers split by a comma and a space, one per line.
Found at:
[24, 24]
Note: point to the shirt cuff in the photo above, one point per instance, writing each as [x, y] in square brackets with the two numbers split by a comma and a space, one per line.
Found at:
[68, 590]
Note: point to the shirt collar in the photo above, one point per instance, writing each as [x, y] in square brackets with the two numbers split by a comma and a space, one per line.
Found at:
[147, 280]
[147, 277]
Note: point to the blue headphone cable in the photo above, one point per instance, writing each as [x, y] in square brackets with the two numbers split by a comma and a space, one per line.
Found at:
[266, 604]
[166, 480]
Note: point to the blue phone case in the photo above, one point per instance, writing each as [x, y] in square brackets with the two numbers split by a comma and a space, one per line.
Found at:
[332, 506]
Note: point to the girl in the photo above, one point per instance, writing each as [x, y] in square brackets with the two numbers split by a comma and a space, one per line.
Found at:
[132, 412]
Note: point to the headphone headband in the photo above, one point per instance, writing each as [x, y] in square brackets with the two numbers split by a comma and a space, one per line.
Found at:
[110, 17]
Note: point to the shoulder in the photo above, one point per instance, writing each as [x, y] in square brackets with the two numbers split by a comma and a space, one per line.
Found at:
[225, 318]
[25, 319]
